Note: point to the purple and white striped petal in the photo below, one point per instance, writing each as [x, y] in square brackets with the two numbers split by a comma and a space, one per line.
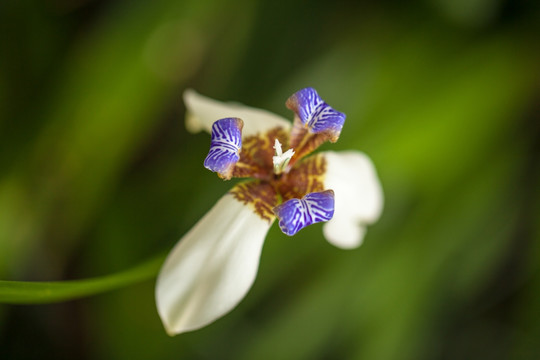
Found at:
[203, 111]
[225, 146]
[296, 214]
[359, 197]
[315, 114]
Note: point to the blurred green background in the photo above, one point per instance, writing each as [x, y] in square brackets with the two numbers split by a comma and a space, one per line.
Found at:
[98, 174]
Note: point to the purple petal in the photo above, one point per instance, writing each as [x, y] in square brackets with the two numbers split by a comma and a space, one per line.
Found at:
[314, 113]
[224, 147]
[296, 214]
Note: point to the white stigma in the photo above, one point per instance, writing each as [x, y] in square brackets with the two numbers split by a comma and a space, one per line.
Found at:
[281, 159]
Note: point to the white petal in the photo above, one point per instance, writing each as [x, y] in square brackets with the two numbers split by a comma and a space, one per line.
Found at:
[212, 267]
[203, 111]
[358, 197]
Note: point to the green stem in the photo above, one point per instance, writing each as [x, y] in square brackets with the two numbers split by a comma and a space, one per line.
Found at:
[26, 292]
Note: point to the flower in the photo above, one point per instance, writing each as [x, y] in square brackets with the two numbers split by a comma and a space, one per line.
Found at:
[213, 266]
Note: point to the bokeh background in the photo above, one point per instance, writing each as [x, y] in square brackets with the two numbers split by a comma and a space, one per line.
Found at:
[98, 174]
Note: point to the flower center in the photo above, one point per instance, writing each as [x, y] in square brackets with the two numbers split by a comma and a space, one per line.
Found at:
[281, 159]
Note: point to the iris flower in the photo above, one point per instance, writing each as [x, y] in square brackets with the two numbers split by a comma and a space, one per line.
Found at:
[214, 265]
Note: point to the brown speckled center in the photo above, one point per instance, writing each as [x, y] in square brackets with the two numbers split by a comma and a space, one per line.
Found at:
[269, 190]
